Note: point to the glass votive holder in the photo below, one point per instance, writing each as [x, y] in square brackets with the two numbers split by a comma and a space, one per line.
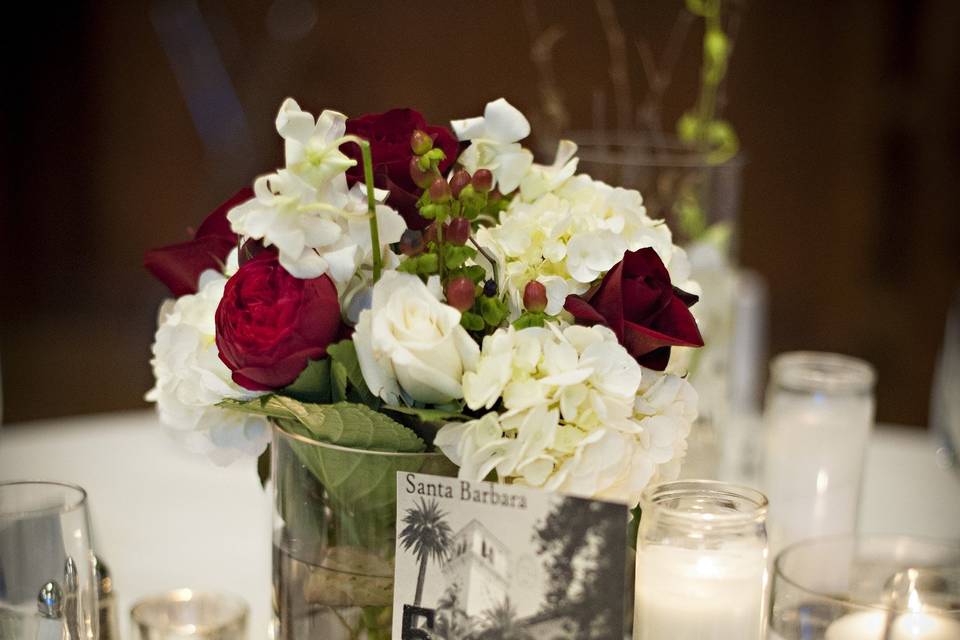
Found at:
[818, 418]
[701, 565]
[866, 588]
[185, 613]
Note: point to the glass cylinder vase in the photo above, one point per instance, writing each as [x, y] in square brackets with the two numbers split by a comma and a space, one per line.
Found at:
[701, 562]
[334, 536]
[699, 198]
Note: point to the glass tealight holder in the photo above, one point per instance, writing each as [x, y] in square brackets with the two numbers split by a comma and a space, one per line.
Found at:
[818, 418]
[185, 613]
[866, 588]
[701, 562]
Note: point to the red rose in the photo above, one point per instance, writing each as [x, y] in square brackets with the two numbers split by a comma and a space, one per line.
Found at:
[389, 135]
[647, 313]
[179, 266]
[269, 323]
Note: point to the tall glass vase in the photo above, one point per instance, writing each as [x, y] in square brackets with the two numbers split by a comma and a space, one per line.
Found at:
[700, 200]
[334, 536]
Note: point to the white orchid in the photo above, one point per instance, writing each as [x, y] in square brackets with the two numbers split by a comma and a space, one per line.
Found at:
[312, 147]
[495, 144]
[542, 179]
[410, 344]
[191, 379]
[306, 211]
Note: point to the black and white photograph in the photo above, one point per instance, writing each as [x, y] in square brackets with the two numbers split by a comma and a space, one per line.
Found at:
[485, 561]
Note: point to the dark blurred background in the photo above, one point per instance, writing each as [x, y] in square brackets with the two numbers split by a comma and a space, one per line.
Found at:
[125, 123]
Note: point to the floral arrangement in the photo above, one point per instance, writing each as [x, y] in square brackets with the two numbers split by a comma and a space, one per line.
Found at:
[398, 286]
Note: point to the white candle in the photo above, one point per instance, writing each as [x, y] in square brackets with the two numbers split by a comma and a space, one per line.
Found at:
[870, 625]
[815, 441]
[692, 594]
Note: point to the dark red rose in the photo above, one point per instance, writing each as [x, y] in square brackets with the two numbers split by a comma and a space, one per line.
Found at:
[647, 313]
[179, 266]
[389, 135]
[269, 323]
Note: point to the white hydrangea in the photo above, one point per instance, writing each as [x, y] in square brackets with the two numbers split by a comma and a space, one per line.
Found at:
[569, 237]
[191, 379]
[306, 211]
[576, 414]
[495, 144]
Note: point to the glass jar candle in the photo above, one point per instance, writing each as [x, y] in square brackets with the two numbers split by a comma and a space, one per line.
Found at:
[701, 562]
[818, 419]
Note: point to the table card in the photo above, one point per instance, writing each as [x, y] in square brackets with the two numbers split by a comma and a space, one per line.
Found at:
[485, 558]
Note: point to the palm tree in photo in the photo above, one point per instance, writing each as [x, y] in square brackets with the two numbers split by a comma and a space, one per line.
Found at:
[503, 623]
[452, 621]
[426, 532]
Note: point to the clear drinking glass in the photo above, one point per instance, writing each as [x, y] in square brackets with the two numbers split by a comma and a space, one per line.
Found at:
[818, 419]
[47, 567]
[334, 536]
[185, 613]
[866, 588]
[701, 562]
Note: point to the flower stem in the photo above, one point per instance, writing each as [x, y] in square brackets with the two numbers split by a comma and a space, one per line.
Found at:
[371, 208]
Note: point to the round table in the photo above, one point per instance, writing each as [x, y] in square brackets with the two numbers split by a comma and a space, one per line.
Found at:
[164, 518]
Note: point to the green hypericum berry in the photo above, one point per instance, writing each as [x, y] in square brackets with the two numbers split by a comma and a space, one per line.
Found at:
[457, 231]
[459, 180]
[534, 296]
[420, 142]
[440, 190]
[460, 293]
[483, 180]
[423, 178]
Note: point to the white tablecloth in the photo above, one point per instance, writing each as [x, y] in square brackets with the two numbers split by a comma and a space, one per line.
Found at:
[164, 518]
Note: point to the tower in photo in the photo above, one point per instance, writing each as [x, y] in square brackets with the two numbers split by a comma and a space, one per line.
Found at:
[477, 567]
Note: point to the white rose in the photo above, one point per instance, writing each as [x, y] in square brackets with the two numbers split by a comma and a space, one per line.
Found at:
[411, 345]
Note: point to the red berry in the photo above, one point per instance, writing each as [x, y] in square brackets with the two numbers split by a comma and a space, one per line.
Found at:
[430, 233]
[411, 242]
[440, 191]
[457, 231]
[460, 293]
[459, 180]
[534, 296]
[483, 180]
[421, 178]
[420, 142]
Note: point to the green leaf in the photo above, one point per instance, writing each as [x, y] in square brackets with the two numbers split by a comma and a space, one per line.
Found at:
[263, 467]
[475, 272]
[427, 264]
[346, 369]
[634, 527]
[530, 319]
[408, 265]
[493, 311]
[455, 256]
[346, 424]
[425, 422]
[471, 321]
[313, 383]
[427, 415]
